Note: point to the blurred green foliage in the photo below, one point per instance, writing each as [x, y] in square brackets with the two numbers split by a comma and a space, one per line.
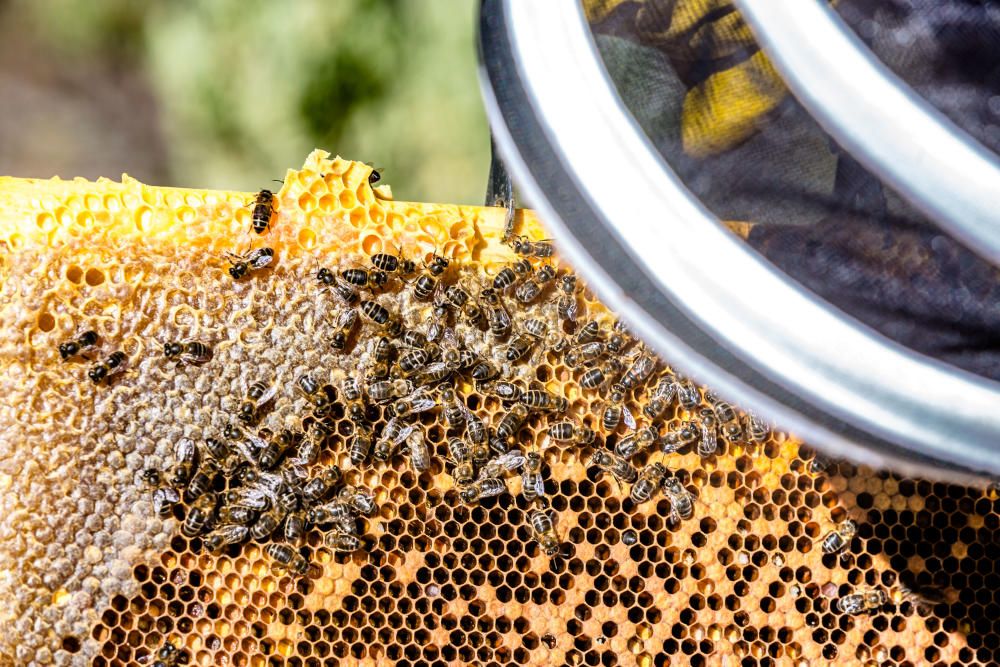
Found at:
[246, 88]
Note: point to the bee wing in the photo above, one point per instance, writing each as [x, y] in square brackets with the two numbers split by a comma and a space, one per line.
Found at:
[628, 418]
[193, 359]
[404, 433]
[512, 460]
[267, 395]
[186, 450]
[539, 486]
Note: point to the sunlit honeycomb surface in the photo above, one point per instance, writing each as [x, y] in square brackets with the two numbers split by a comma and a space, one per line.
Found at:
[91, 576]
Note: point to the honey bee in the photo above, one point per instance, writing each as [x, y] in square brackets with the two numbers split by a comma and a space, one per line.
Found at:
[361, 444]
[452, 408]
[496, 315]
[615, 410]
[186, 454]
[461, 458]
[459, 298]
[295, 526]
[351, 388]
[616, 465]
[420, 456]
[708, 443]
[374, 177]
[434, 373]
[837, 539]
[165, 497]
[417, 402]
[482, 489]
[573, 433]
[688, 395]
[521, 267]
[484, 371]
[586, 353]
[531, 287]
[527, 248]
[649, 482]
[201, 482]
[362, 502]
[638, 441]
[597, 377]
[508, 392]
[923, 598]
[590, 332]
[375, 312]
[544, 531]
[319, 486]
[393, 435]
[223, 536]
[818, 464]
[73, 347]
[566, 307]
[275, 448]
[481, 453]
[263, 210]
[342, 289]
[381, 354]
[253, 499]
[365, 278]
[238, 514]
[258, 395]
[253, 260]
[475, 428]
[532, 482]
[539, 399]
[640, 370]
[683, 435]
[342, 541]
[287, 558]
[170, 656]
[312, 443]
[311, 390]
[864, 600]
[728, 419]
[393, 263]
[503, 464]
[661, 397]
[412, 360]
[681, 500]
[219, 450]
[387, 390]
[105, 370]
[756, 428]
[190, 352]
[512, 421]
[428, 280]
[337, 512]
[505, 279]
[199, 516]
[519, 346]
[343, 328]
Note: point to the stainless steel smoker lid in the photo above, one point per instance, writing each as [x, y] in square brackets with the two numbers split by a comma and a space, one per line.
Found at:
[696, 292]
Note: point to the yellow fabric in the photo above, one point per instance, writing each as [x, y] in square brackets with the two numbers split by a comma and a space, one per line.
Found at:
[723, 110]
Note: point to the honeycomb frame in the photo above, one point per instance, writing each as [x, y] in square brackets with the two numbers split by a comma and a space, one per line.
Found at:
[92, 577]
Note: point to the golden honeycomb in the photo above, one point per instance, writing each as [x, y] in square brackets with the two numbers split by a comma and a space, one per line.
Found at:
[89, 574]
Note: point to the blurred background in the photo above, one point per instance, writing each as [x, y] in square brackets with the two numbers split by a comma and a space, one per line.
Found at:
[230, 93]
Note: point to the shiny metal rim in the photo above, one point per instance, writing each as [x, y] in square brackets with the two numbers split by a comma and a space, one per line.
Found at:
[874, 115]
[583, 163]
